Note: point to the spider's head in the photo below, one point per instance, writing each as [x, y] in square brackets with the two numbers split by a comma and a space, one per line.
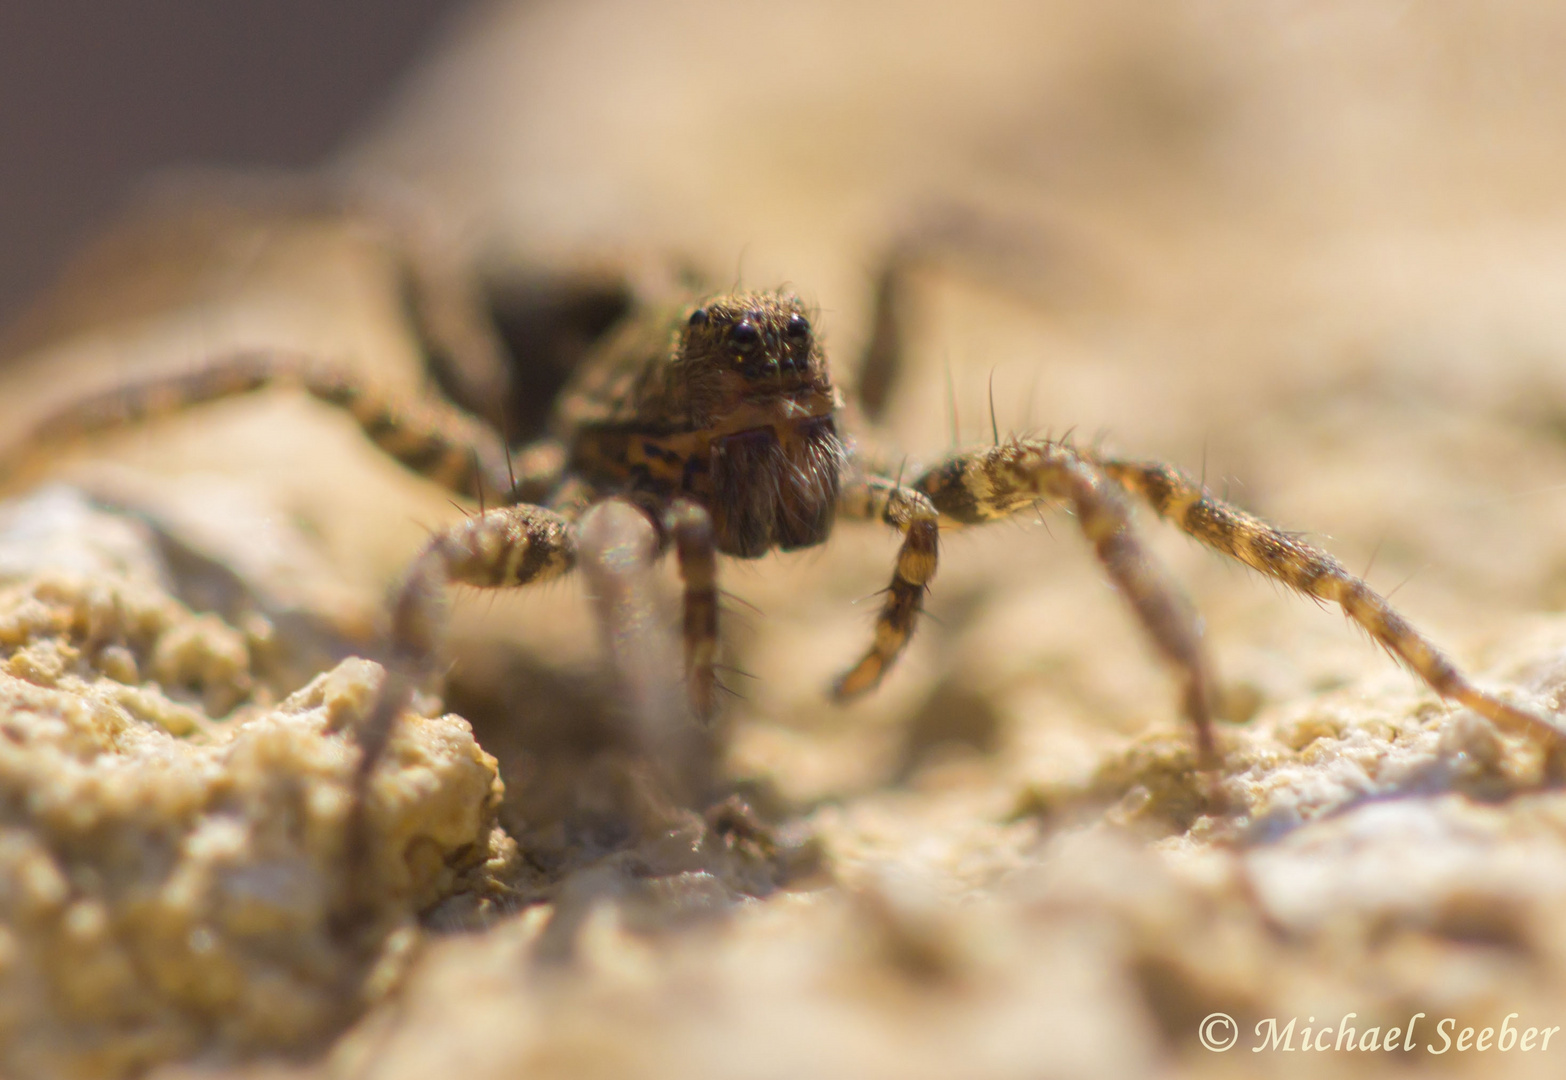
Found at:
[762, 343]
[756, 377]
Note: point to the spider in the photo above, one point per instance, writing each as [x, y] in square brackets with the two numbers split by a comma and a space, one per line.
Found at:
[718, 421]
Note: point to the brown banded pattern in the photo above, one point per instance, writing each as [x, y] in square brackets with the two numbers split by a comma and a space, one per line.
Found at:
[432, 439]
[1307, 569]
[992, 483]
[690, 527]
[909, 511]
[511, 546]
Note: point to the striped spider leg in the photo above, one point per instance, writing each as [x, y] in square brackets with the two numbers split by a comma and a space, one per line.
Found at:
[988, 484]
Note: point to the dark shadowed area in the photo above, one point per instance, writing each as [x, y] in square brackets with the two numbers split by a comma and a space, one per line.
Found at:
[95, 95]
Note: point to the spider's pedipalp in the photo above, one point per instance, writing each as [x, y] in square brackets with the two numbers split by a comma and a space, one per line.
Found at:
[1309, 570]
[911, 512]
[690, 527]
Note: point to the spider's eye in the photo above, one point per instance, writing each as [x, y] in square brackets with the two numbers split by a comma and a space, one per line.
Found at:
[745, 335]
[699, 317]
[798, 327]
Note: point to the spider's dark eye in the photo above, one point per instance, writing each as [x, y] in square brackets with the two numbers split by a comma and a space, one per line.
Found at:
[744, 334]
[699, 317]
[798, 327]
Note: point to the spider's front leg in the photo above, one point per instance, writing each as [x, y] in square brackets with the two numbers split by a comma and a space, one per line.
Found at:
[985, 485]
[522, 545]
[910, 512]
[508, 547]
[1307, 569]
[504, 548]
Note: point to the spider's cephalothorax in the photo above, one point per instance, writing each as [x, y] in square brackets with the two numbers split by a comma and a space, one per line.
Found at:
[732, 409]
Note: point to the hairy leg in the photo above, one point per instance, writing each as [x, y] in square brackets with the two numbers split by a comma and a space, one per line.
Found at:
[434, 439]
[619, 546]
[505, 548]
[1018, 255]
[985, 485]
[1307, 569]
[690, 527]
[910, 512]
[882, 362]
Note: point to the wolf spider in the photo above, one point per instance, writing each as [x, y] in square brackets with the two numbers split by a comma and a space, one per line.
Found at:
[718, 421]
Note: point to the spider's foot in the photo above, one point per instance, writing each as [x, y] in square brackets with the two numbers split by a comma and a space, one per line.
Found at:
[862, 678]
[1516, 719]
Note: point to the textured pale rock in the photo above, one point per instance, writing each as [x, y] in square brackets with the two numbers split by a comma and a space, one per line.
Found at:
[170, 863]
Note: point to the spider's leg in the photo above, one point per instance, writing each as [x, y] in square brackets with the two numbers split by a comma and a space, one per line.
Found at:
[619, 546]
[882, 361]
[911, 512]
[452, 320]
[1307, 569]
[430, 437]
[985, 485]
[504, 548]
[509, 547]
[434, 439]
[690, 527]
[1018, 254]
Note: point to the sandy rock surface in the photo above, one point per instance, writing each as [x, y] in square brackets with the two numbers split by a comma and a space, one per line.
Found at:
[172, 859]
[1313, 254]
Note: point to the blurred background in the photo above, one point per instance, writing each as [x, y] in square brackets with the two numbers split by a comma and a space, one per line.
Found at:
[96, 94]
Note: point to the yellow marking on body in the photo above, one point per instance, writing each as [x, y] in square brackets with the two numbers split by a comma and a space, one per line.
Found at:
[519, 550]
